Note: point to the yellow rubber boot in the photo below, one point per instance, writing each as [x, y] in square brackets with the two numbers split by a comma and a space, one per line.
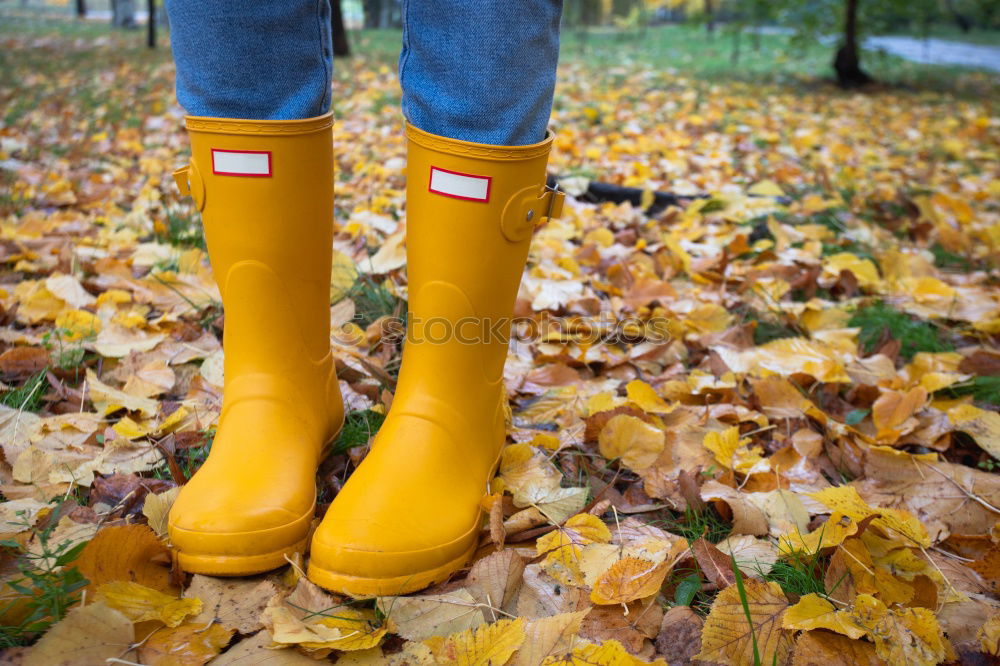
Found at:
[410, 514]
[265, 189]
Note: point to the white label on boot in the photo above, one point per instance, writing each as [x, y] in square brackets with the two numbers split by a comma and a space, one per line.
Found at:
[252, 163]
[459, 185]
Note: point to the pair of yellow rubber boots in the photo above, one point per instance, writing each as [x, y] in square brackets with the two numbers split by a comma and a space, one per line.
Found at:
[409, 516]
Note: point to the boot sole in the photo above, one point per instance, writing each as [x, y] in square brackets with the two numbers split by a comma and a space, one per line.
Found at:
[360, 586]
[238, 565]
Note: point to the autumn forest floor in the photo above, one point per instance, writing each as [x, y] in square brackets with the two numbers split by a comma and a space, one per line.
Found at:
[765, 430]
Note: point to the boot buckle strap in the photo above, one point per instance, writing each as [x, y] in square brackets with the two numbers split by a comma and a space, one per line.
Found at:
[528, 208]
[190, 183]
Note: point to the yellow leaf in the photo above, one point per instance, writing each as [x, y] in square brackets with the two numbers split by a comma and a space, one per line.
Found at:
[896, 522]
[608, 653]
[485, 645]
[343, 275]
[140, 603]
[645, 398]
[982, 425]
[831, 533]
[731, 452]
[77, 324]
[909, 636]
[766, 188]
[863, 269]
[636, 442]
[815, 612]
[727, 637]
[989, 636]
[359, 630]
[581, 529]
[632, 578]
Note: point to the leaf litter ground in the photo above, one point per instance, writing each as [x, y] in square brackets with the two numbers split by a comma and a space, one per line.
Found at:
[758, 427]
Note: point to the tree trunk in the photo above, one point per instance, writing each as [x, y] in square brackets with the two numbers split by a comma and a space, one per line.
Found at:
[151, 24]
[340, 46]
[81, 8]
[847, 62]
[710, 16]
[373, 13]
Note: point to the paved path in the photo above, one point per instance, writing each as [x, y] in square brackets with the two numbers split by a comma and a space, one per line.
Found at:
[939, 51]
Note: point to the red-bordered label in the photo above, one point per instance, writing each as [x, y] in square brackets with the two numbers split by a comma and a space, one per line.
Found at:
[458, 185]
[244, 163]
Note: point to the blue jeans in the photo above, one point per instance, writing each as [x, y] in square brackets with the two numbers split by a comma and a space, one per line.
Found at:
[475, 70]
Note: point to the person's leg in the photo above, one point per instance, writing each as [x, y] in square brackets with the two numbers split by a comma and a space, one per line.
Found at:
[261, 173]
[252, 60]
[477, 81]
[480, 70]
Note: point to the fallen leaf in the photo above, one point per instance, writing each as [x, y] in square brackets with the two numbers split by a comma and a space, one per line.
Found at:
[140, 603]
[189, 644]
[232, 603]
[727, 634]
[814, 612]
[821, 648]
[418, 618]
[485, 644]
[126, 553]
[89, 634]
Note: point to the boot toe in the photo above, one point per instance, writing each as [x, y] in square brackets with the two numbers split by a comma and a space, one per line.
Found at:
[394, 528]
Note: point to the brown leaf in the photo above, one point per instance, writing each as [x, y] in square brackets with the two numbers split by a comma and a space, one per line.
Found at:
[547, 636]
[825, 648]
[254, 651]
[189, 644]
[679, 639]
[495, 580]
[126, 553]
[716, 565]
[87, 635]
[233, 603]
[632, 625]
[541, 595]
[988, 567]
[747, 518]
[19, 362]
[727, 635]
[945, 497]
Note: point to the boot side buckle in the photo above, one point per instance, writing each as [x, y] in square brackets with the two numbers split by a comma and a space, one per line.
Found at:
[190, 183]
[524, 211]
[556, 200]
[181, 178]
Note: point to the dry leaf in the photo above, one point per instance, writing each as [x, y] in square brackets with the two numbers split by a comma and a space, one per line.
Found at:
[814, 612]
[727, 634]
[233, 603]
[820, 648]
[494, 582]
[129, 553]
[87, 635]
[420, 617]
[486, 644]
[140, 603]
[547, 636]
[189, 644]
